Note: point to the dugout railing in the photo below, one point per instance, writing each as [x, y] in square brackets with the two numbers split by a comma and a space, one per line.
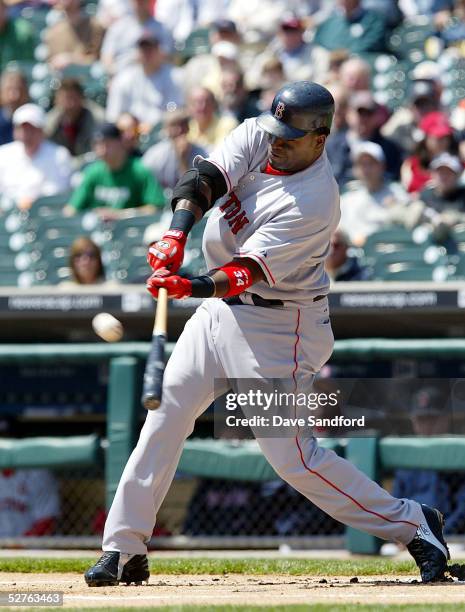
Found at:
[216, 457]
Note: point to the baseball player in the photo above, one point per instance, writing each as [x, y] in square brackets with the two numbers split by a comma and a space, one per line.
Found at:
[274, 204]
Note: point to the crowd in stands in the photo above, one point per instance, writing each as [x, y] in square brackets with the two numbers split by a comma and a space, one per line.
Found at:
[107, 102]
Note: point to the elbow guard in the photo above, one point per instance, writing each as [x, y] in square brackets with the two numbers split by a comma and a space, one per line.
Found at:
[189, 186]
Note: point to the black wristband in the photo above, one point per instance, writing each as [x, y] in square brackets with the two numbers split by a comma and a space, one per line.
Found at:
[182, 220]
[203, 286]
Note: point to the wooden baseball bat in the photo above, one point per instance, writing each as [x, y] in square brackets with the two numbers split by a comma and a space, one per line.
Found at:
[155, 366]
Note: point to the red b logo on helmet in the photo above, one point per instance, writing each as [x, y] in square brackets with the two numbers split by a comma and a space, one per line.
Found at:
[279, 110]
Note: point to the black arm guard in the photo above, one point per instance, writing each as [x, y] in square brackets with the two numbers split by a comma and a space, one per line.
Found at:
[214, 179]
[188, 186]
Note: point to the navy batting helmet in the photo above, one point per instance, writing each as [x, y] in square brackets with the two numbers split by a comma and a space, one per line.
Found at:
[297, 109]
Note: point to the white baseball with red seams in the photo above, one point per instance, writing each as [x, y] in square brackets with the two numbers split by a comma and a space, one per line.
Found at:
[284, 223]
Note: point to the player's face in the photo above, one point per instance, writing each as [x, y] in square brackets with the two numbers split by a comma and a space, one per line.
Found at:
[295, 155]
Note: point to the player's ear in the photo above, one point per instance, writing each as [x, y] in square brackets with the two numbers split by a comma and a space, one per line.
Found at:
[320, 140]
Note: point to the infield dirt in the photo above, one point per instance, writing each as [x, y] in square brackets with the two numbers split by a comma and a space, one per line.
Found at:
[239, 589]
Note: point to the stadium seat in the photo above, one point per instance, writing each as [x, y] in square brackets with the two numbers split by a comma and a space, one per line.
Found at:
[9, 278]
[196, 43]
[409, 271]
[49, 206]
[411, 36]
[418, 263]
[458, 271]
[148, 139]
[389, 240]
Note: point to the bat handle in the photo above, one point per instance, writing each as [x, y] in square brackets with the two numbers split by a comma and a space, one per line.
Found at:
[154, 368]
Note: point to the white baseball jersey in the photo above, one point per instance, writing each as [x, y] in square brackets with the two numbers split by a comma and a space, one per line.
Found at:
[26, 496]
[283, 222]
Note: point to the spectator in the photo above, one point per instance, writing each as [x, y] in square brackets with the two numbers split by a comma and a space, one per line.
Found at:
[31, 166]
[337, 147]
[13, 94]
[129, 127]
[224, 29]
[29, 503]
[439, 10]
[444, 490]
[236, 100]
[146, 90]
[85, 263]
[355, 74]
[373, 201]
[226, 58]
[438, 137]
[336, 59]
[17, 41]
[339, 265]
[353, 28]
[182, 17]
[115, 182]
[172, 156]
[444, 197]
[258, 20]
[119, 48]
[73, 119]
[109, 11]
[341, 100]
[75, 39]
[364, 117]
[272, 74]
[270, 81]
[402, 126]
[207, 127]
[388, 8]
[205, 68]
[301, 60]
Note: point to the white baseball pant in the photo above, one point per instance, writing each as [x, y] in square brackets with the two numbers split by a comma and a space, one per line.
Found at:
[222, 341]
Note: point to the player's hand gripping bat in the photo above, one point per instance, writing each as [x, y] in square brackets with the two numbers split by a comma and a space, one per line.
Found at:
[155, 366]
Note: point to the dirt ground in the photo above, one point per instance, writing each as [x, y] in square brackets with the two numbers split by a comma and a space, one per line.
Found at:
[237, 589]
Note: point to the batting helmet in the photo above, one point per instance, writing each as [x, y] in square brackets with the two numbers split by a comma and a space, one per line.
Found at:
[297, 109]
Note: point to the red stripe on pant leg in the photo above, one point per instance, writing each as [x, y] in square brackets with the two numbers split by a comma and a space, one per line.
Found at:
[328, 482]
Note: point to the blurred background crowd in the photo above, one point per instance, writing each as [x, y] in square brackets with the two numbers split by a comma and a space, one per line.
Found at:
[104, 104]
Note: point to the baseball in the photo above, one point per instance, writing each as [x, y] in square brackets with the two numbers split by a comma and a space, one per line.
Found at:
[107, 327]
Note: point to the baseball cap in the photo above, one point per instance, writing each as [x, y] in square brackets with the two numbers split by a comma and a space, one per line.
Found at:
[291, 23]
[224, 25]
[447, 160]
[436, 124]
[148, 37]
[368, 148]
[423, 88]
[225, 49]
[363, 99]
[429, 401]
[29, 113]
[427, 70]
[107, 130]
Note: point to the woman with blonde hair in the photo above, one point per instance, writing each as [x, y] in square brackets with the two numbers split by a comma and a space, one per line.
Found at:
[85, 262]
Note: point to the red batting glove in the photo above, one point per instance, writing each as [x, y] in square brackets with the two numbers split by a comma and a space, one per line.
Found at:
[168, 252]
[177, 286]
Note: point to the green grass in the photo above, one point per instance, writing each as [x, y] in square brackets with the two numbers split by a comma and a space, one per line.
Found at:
[369, 566]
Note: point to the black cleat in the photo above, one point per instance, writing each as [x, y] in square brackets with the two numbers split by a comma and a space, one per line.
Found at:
[115, 567]
[429, 548]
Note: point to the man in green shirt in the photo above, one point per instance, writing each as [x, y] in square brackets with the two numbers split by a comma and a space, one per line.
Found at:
[17, 40]
[116, 181]
[354, 28]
